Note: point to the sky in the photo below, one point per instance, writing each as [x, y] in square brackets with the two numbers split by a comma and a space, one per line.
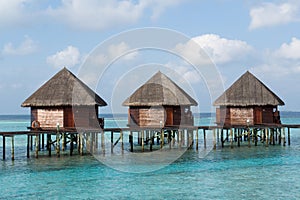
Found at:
[39, 38]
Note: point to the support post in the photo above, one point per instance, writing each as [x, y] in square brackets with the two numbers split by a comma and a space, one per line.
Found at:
[289, 137]
[57, 142]
[214, 139]
[255, 136]
[267, 136]
[162, 138]
[151, 139]
[28, 148]
[222, 138]
[283, 136]
[231, 138]
[81, 143]
[204, 138]
[111, 142]
[179, 138]
[102, 142]
[12, 147]
[43, 141]
[122, 141]
[3, 146]
[49, 143]
[63, 142]
[142, 140]
[131, 141]
[37, 145]
[71, 144]
[239, 137]
[248, 137]
[197, 140]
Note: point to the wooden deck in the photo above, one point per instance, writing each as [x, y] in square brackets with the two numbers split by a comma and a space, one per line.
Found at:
[178, 136]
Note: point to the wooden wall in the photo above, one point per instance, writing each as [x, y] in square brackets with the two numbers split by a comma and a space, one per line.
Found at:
[223, 115]
[153, 116]
[84, 116]
[240, 115]
[48, 117]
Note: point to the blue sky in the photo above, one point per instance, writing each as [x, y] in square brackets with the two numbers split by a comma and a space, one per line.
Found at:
[38, 38]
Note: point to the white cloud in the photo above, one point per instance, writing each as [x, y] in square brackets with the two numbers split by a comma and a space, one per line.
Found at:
[291, 50]
[220, 50]
[12, 11]
[99, 15]
[68, 57]
[271, 14]
[281, 62]
[28, 46]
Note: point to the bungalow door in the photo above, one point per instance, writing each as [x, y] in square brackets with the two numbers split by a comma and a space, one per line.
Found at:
[169, 116]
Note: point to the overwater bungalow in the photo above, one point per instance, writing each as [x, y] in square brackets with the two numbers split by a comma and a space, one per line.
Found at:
[159, 103]
[248, 101]
[64, 100]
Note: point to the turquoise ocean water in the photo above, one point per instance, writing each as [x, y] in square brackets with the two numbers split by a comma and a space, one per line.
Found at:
[240, 173]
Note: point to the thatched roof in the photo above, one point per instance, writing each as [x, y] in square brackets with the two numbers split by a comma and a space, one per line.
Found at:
[157, 91]
[58, 91]
[248, 91]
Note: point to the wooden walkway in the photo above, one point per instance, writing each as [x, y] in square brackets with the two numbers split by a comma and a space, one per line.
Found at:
[175, 137]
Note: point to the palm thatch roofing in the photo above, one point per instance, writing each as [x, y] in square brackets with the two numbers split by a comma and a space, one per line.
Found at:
[248, 91]
[159, 90]
[64, 89]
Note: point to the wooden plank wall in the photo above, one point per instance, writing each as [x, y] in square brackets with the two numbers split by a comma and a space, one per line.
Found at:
[240, 115]
[152, 116]
[49, 117]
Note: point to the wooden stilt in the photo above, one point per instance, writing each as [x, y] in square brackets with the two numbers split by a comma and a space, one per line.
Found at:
[214, 139]
[31, 145]
[37, 145]
[267, 136]
[273, 136]
[248, 137]
[49, 141]
[217, 132]
[222, 138]
[57, 145]
[179, 138]
[162, 138]
[122, 141]
[3, 147]
[142, 140]
[12, 147]
[81, 143]
[204, 138]
[28, 148]
[111, 142]
[63, 142]
[239, 137]
[289, 137]
[283, 136]
[255, 136]
[227, 138]
[102, 142]
[131, 141]
[188, 138]
[279, 137]
[71, 144]
[231, 138]
[197, 140]
[151, 139]
[43, 141]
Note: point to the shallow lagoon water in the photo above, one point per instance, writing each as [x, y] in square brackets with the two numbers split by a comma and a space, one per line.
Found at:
[239, 173]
